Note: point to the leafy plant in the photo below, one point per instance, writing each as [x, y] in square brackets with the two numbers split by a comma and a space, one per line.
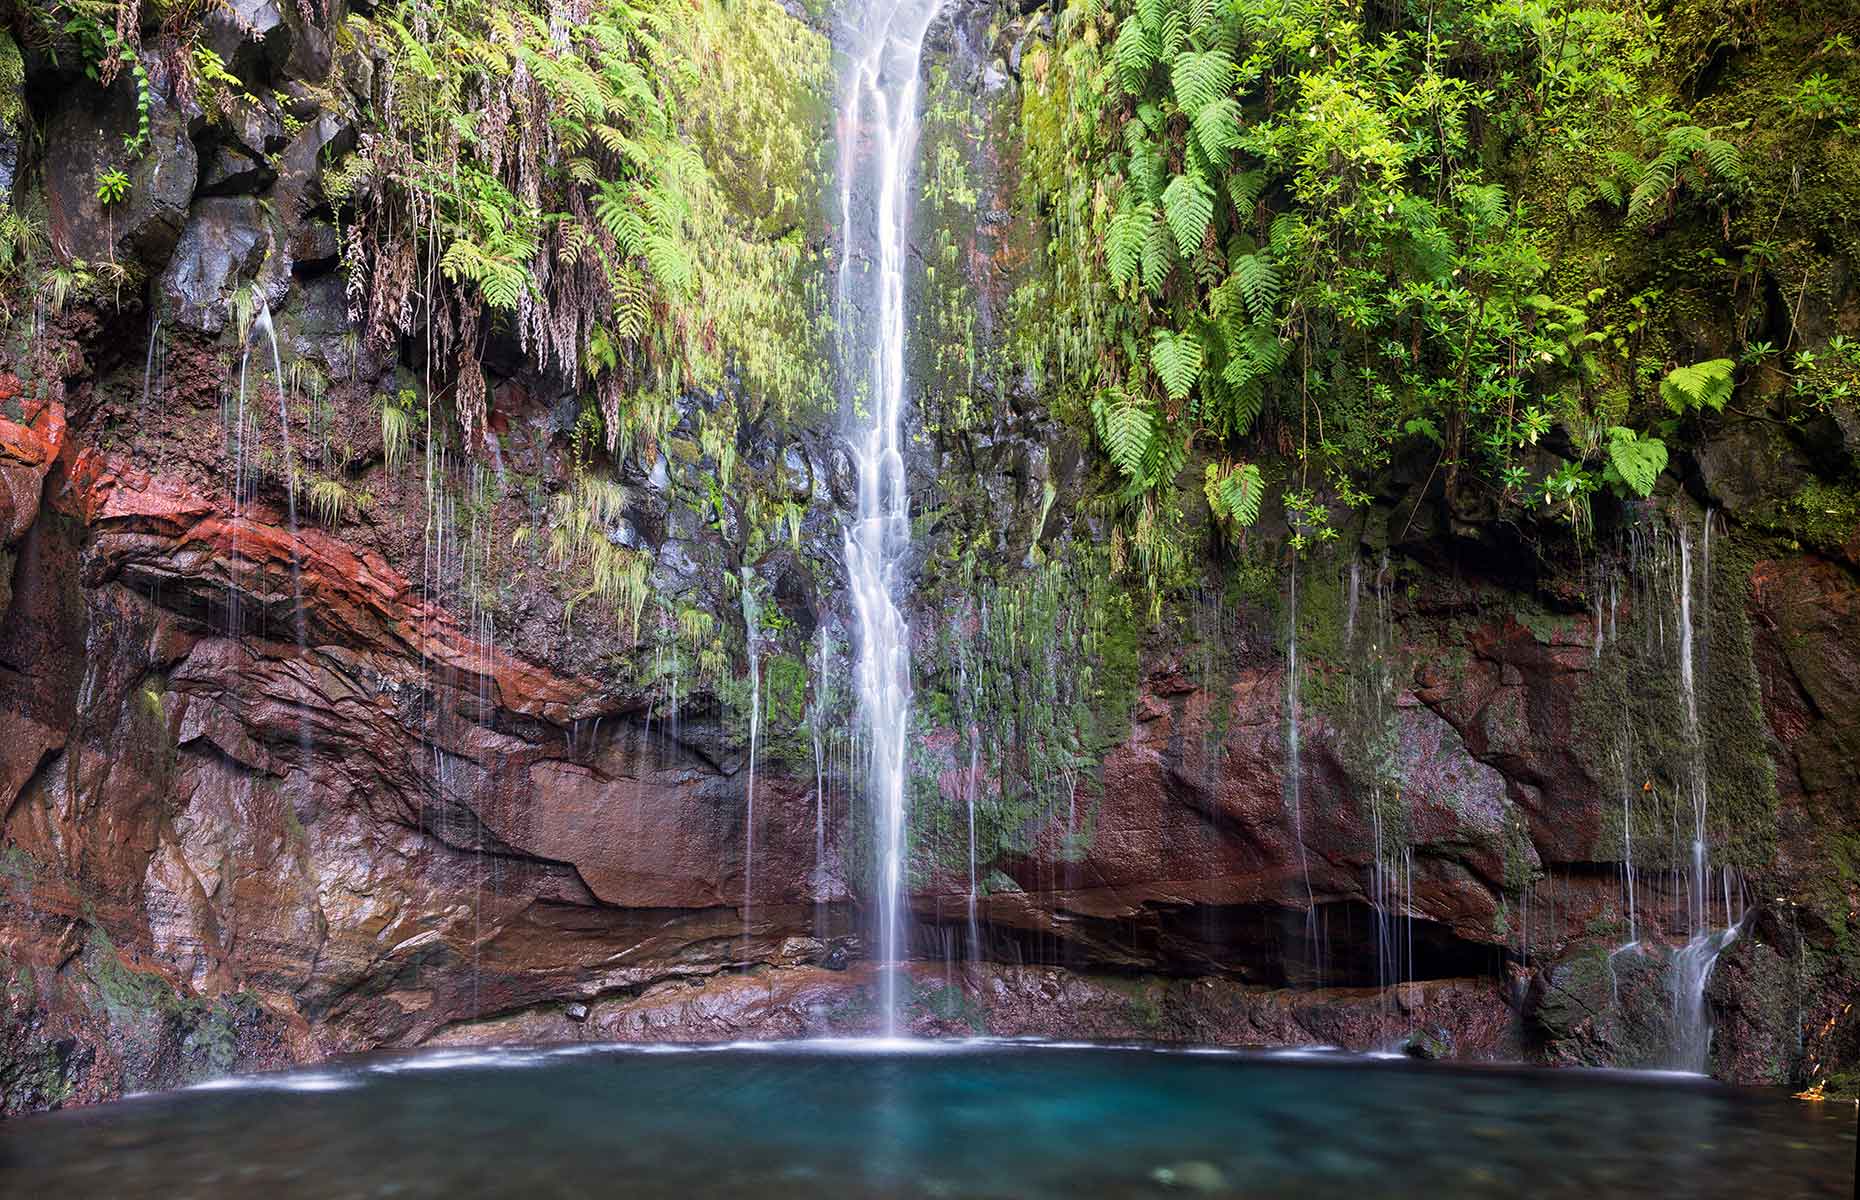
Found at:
[1634, 462]
[112, 187]
[1234, 493]
[332, 501]
[1702, 385]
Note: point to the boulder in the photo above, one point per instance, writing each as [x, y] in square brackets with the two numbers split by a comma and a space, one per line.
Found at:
[231, 171]
[140, 229]
[250, 36]
[319, 143]
[225, 243]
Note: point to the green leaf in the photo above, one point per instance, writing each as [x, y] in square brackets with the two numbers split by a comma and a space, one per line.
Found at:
[1244, 188]
[1702, 385]
[1199, 79]
[1259, 283]
[1127, 434]
[1243, 490]
[1177, 358]
[1217, 128]
[1634, 460]
[1188, 206]
[1123, 244]
[1158, 255]
[1135, 52]
[1234, 494]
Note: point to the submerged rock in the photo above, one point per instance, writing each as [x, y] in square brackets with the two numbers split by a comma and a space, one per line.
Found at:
[1431, 1044]
[1192, 1176]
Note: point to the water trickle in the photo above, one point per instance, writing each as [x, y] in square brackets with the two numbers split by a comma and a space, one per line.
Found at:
[155, 365]
[1689, 972]
[750, 634]
[877, 148]
[1377, 740]
[975, 769]
[816, 720]
[1293, 772]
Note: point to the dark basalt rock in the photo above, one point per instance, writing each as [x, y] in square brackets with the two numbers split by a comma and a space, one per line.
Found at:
[230, 171]
[140, 230]
[1430, 1044]
[252, 37]
[225, 244]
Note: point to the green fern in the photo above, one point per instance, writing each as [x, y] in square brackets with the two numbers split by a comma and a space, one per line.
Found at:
[1702, 385]
[1217, 130]
[1135, 53]
[1200, 78]
[1234, 494]
[1177, 358]
[1188, 207]
[1123, 245]
[1126, 433]
[1258, 281]
[1634, 461]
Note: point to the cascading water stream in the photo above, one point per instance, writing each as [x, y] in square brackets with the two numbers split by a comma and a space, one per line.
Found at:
[1294, 774]
[877, 149]
[751, 632]
[1690, 970]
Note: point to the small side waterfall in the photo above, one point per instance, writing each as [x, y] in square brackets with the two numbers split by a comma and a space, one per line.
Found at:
[154, 366]
[1294, 799]
[751, 631]
[1375, 745]
[877, 150]
[1689, 973]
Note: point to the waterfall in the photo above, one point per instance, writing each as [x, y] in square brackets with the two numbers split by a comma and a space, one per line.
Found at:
[879, 97]
[1690, 970]
[975, 766]
[1293, 781]
[751, 617]
[817, 720]
[149, 375]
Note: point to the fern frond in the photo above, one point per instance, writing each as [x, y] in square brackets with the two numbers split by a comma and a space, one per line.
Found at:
[1127, 427]
[1177, 358]
[1702, 385]
[1200, 78]
[1258, 278]
[1188, 206]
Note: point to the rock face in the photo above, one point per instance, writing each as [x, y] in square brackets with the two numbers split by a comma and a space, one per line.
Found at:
[282, 779]
[90, 135]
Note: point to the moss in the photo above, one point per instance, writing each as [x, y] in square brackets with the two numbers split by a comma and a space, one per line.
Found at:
[1035, 679]
[1632, 724]
[126, 994]
[1822, 515]
[948, 1004]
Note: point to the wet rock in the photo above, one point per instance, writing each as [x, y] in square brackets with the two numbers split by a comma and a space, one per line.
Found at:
[310, 56]
[142, 228]
[28, 449]
[1430, 1044]
[300, 172]
[576, 1013]
[224, 245]
[315, 246]
[12, 117]
[230, 171]
[250, 36]
[1192, 1176]
[257, 128]
[1744, 465]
